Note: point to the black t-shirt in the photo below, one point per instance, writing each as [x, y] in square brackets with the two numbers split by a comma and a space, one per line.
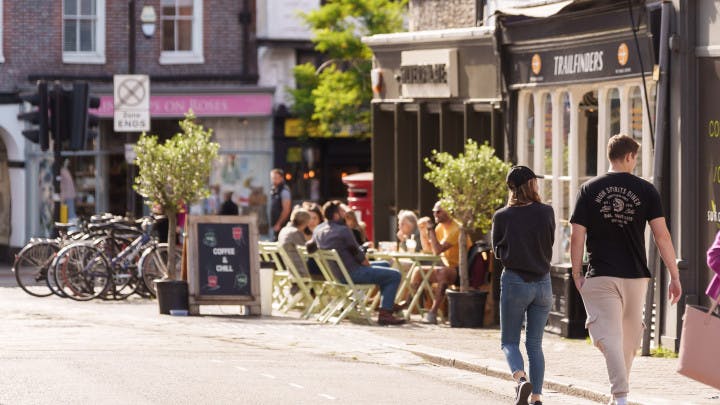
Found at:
[615, 208]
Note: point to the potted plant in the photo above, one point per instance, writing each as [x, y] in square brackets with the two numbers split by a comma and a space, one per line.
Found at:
[171, 174]
[471, 187]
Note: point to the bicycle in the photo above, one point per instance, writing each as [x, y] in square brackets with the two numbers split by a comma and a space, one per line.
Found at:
[83, 270]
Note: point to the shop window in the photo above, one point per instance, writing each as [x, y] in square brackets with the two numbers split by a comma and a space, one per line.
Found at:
[613, 124]
[547, 148]
[563, 208]
[588, 136]
[181, 31]
[636, 125]
[84, 31]
[530, 131]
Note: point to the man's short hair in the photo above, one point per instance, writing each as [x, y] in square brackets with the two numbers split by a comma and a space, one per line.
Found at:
[299, 216]
[331, 208]
[620, 145]
[278, 171]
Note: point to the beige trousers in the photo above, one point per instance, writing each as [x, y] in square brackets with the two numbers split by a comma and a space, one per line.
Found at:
[614, 309]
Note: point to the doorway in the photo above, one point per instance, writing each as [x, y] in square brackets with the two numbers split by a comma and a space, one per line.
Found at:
[5, 206]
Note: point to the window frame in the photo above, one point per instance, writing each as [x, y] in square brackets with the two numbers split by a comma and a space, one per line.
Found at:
[194, 56]
[97, 56]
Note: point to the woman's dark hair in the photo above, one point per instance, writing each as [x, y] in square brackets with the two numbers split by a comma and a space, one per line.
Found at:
[313, 207]
[523, 195]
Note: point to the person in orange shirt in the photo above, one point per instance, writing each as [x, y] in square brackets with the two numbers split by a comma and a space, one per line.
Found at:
[441, 239]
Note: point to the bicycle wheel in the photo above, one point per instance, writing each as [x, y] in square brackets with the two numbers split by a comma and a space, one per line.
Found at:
[153, 265]
[124, 282]
[82, 272]
[31, 267]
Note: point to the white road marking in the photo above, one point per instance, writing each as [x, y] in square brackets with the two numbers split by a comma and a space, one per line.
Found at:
[270, 376]
[327, 396]
[216, 361]
[241, 368]
[298, 386]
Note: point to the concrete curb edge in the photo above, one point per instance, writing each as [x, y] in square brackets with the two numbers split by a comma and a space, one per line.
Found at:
[565, 388]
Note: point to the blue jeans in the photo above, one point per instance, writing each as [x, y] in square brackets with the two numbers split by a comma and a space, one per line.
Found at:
[387, 278]
[519, 301]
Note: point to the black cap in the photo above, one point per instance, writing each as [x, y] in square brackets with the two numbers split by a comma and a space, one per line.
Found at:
[519, 175]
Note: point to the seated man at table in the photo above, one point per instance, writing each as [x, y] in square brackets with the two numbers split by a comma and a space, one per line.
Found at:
[334, 234]
[441, 239]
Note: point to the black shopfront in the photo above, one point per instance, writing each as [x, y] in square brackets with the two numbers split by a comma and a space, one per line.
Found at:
[433, 91]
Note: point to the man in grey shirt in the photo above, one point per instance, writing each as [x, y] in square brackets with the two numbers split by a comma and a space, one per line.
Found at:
[334, 234]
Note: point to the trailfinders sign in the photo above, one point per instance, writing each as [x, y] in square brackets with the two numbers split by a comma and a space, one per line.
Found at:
[431, 73]
[604, 60]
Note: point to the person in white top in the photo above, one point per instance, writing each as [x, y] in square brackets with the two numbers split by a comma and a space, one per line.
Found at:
[67, 190]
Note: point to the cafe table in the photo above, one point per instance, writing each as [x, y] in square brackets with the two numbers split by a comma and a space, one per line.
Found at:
[426, 262]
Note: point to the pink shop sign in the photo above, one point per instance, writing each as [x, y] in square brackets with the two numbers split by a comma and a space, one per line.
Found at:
[221, 105]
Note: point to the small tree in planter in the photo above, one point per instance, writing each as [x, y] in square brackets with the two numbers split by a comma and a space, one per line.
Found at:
[175, 172]
[472, 187]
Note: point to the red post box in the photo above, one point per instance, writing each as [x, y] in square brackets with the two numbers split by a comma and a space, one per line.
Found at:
[360, 198]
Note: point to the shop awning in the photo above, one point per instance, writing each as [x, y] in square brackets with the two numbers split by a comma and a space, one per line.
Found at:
[538, 9]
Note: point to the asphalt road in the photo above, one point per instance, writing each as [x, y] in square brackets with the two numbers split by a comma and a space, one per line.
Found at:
[58, 351]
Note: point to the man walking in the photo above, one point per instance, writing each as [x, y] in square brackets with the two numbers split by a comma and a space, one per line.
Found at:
[334, 234]
[612, 210]
[280, 202]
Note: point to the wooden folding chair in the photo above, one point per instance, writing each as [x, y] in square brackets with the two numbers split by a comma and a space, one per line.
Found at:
[298, 275]
[281, 277]
[349, 298]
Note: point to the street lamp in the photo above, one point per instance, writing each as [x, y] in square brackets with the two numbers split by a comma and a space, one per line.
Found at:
[148, 19]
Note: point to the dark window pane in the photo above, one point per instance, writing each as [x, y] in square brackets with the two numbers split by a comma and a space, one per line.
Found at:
[70, 40]
[184, 36]
[168, 11]
[87, 7]
[168, 27]
[87, 36]
[70, 7]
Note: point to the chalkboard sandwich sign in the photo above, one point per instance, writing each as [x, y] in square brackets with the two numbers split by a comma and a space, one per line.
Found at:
[223, 263]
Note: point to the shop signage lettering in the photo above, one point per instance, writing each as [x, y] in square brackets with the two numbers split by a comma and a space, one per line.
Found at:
[714, 129]
[220, 105]
[567, 63]
[436, 73]
[578, 63]
[431, 73]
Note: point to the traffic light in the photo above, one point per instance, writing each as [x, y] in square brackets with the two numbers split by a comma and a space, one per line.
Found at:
[82, 124]
[37, 117]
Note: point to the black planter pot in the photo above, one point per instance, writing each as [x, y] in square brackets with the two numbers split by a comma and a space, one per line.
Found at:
[466, 309]
[172, 294]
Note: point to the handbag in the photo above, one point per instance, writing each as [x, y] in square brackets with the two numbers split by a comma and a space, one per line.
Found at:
[700, 345]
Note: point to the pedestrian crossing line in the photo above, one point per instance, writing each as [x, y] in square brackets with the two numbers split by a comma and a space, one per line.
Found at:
[326, 396]
[217, 361]
[241, 368]
[270, 376]
[298, 386]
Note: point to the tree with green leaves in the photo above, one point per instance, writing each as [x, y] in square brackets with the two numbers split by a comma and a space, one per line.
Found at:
[175, 173]
[471, 187]
[335, 97]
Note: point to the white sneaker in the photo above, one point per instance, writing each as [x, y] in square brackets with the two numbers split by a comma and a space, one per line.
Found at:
[430, 318]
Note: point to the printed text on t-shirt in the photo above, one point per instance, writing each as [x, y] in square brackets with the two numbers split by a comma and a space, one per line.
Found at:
[618, 204]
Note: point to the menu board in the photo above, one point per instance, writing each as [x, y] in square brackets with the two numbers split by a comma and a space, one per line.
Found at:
[224, 259]
[709, 147]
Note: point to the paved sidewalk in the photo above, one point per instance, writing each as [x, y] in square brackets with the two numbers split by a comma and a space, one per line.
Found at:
[573, 366]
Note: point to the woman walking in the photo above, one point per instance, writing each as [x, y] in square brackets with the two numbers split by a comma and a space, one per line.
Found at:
[523, 234]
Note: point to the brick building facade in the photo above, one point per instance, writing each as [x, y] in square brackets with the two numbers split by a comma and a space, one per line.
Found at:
[203, 53]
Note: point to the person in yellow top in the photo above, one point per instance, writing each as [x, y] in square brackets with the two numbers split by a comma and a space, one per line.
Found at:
[441, 239]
